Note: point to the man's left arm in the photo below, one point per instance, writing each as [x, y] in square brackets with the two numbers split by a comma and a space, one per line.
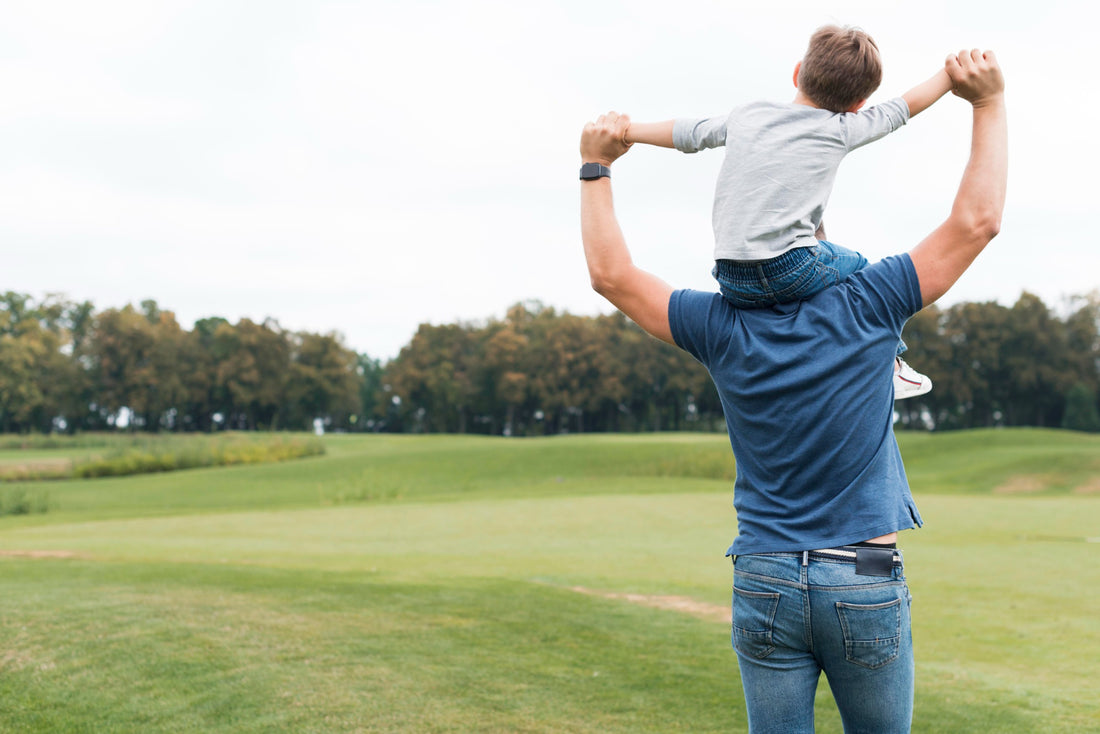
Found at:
[642, 296]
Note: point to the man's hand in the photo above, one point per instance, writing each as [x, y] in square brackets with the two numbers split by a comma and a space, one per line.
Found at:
[975, 76]
[604, 140]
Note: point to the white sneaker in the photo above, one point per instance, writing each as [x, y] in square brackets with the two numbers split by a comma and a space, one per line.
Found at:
[908, 383]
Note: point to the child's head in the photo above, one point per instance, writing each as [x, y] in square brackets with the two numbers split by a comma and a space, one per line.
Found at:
[841, 68]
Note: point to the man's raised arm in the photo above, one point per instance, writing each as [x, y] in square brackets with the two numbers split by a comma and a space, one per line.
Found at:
[975, 217]
[641, 296]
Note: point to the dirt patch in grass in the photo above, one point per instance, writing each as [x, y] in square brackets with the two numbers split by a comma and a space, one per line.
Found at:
[1090, 487]
[37, 554]
[1022, 485]
[684, 604]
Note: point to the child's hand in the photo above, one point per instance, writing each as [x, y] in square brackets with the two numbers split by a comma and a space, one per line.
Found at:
[975, 76]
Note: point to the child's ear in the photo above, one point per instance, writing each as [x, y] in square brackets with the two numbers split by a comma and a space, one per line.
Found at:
[856, 107]
[797, 68]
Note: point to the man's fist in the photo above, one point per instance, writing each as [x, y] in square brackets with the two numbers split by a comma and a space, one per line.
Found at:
[602, 141]
[975, 76]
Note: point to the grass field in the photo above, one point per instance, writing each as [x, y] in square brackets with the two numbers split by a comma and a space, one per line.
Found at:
[567, 584]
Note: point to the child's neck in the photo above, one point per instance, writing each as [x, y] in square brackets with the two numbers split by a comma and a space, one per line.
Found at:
[800, 98]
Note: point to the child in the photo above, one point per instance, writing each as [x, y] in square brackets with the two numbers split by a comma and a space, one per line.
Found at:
[781, 161]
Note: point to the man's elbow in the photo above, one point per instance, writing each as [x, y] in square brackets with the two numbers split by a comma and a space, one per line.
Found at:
[602, 284]
[987, 226]
[986, 220]
[993, 226]
[980, 225]
[606, 278]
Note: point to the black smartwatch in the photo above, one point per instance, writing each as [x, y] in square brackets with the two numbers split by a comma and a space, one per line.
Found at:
[592, 171]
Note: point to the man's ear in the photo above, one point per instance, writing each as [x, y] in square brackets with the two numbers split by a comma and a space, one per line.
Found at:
[856, 107]
[797, 68]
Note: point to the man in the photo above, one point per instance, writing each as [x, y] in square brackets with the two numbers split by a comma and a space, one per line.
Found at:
[821, 491]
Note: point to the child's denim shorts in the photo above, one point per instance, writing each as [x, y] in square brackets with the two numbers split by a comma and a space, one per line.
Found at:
[793, 276]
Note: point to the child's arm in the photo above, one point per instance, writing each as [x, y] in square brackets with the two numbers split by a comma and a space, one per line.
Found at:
[921, 97]
[652, 133]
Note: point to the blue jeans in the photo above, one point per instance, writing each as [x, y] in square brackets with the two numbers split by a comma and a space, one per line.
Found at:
[793, 276]
[791, 621]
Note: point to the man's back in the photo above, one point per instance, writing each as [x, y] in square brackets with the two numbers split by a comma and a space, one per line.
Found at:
[818, 465]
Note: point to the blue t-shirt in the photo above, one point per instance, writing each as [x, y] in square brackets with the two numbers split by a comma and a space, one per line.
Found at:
[807, 391]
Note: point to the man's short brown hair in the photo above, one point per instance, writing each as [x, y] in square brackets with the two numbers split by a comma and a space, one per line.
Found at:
[841, 68]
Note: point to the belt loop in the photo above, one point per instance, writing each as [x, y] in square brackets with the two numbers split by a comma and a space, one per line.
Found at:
[805, 558]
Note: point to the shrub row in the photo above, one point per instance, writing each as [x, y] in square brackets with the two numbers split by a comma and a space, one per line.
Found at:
[195, 453]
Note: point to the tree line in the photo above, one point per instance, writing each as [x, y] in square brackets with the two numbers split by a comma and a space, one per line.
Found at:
[66, 367]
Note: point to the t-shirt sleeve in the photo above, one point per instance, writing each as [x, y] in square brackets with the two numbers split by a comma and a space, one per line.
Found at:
[892, 286]
[868, 125]
[693, 135]
[689, 313]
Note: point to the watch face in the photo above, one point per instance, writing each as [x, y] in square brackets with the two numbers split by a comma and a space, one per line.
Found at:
[592, 171]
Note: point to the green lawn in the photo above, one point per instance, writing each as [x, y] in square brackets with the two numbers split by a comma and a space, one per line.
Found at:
[429, 584]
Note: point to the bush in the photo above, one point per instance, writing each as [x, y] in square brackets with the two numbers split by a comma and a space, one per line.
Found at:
[173, 454]
[22, 502]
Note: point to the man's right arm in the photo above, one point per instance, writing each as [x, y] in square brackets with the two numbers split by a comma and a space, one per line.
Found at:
[975, 217]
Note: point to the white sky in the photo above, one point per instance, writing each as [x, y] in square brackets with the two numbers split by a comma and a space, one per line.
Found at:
[367, 166]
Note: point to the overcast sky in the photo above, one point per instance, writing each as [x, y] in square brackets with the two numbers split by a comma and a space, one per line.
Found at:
[364, 167]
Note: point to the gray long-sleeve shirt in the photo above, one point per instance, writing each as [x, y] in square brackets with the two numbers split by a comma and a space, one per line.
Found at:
[781, 162]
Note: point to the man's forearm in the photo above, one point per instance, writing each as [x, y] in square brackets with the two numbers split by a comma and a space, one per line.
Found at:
[981, 197]
[975, 217]
[922, 96]
[604, 246]
[640, 295]
[650, 133]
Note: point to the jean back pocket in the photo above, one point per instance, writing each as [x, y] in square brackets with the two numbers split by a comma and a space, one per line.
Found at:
[872, 632]
[753, 622]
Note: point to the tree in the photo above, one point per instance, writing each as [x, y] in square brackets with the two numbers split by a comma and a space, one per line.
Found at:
[1081, 412]
[323, 381]
[1036, 364]
[433, 378]
[505, 371]
[136, 363]
[41, 381]
[252, 364]
[370, 373]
